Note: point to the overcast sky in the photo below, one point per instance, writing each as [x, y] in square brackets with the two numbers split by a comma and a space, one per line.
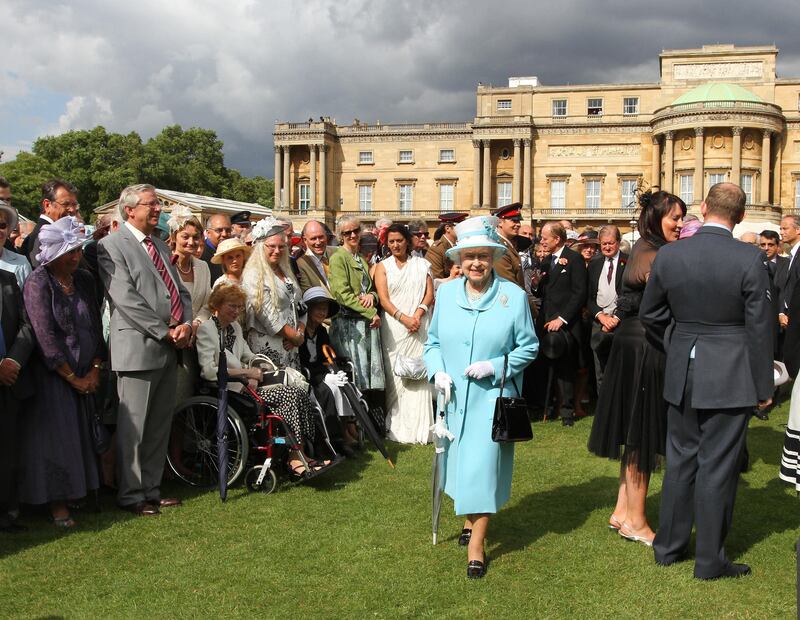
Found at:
[237, 66]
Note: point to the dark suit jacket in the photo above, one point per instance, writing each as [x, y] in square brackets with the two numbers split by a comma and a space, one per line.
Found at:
[316, 369]
[17, 332]
[216, 270]
[30, 242]
[791, 343]
[597, 268]
[780, 279]
[730, 329]
[563, 289]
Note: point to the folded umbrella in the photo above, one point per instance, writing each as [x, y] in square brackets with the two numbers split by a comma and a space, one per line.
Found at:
[440, 438]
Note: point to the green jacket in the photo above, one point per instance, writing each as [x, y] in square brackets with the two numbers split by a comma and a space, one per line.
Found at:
[345, 277]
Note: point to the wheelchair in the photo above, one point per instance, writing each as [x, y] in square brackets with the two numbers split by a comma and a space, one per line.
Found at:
[259, 442]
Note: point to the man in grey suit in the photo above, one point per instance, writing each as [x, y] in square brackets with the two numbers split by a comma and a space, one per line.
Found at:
[718, 368]
[151, 315]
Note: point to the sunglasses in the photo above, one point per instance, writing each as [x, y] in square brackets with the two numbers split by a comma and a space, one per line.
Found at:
[3, 225]
[420, 235]
[347, 233]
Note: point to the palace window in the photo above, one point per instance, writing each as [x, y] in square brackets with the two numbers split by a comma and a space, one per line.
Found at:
[629, 193]
[746, 183]
[406, 194]
[504, 104]
[630, 105]
[559, 107]
[365, 157]
[503, 193]
[797, 193]
[687, 188]
[447, 197]
[558, 195]
[304, 195]
[406, 157]
[714, 178]
[447, 155]
[592, 194]
[594, 107]
[365, 198]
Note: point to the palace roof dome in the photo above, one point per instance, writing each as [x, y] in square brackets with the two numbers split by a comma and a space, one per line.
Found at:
[717, 91]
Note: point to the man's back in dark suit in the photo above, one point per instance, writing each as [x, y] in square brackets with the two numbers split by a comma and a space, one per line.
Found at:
[718, 367]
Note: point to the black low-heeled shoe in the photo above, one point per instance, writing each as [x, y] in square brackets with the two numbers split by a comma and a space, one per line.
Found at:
[466, 534]
[477, 569]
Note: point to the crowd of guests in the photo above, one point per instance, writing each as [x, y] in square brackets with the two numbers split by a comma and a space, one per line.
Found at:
[126, 323]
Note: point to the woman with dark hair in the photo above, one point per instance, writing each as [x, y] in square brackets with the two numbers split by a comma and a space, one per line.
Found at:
[631, 411]
[405, 290]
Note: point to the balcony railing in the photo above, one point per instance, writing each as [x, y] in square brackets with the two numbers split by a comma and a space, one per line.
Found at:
[402, 128]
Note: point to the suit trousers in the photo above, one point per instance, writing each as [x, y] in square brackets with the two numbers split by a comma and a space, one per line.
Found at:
[9, 440]
[144, 421]
[704, 454]
[601, 351]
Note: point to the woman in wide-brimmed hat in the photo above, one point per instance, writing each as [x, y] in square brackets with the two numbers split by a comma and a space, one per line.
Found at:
[477, 321]
[232, 254]
[57, 458]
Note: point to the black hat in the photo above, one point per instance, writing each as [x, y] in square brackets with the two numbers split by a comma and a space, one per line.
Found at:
[242, 217]
[452, 217]
[554, 345]
[510, 212]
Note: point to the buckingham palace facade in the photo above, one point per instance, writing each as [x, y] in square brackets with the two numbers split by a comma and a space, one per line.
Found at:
[578, 152]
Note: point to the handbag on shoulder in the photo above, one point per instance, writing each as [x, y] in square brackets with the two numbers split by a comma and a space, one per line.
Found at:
[511, 422]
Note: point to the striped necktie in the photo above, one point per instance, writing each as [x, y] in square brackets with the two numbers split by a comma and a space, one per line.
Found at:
[175, 303]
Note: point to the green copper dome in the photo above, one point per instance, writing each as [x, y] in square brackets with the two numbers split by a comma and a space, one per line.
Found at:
[717, 92]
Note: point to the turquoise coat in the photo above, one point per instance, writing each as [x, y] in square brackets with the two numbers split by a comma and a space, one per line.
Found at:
[478, 470]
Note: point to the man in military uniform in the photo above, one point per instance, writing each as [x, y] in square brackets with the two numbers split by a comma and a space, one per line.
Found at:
[509, 265]
[240, 223]
[440, 264]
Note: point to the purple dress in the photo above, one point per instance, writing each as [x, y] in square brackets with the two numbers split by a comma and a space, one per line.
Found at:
[57, 460]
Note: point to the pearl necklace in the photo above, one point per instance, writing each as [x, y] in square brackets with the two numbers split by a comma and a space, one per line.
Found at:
[473, 296]
[188, 271]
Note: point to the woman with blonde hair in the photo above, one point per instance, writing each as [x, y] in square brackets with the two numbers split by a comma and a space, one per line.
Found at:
[273, 326]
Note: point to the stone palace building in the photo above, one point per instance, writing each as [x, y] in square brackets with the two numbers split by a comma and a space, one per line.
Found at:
[578, 152]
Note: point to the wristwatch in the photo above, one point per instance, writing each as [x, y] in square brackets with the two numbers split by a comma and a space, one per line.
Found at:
[100, 366]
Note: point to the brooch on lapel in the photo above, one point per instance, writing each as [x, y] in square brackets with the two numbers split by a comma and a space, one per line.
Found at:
[504, 300]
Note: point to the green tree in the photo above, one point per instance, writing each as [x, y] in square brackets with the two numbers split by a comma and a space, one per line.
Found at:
[249, 189]
[26, 174]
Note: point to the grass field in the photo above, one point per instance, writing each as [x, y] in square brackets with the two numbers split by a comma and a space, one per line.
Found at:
[357, 544]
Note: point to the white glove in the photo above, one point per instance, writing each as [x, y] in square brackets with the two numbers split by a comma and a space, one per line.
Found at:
[479, 370]
[442, 381]
[336, 380]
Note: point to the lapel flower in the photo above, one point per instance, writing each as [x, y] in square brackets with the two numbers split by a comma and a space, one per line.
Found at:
[562, 261]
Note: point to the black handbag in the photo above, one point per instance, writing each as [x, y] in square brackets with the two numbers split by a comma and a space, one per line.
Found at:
[511, 422]
[99, 433]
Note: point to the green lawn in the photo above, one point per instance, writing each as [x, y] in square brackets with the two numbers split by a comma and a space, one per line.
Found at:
[357, 544]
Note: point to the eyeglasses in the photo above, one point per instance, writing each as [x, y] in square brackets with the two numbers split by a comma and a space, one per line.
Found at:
[235, 306]
[275, 248]
[347, 233]
[153, 204]
[67, 205]
[224, 229]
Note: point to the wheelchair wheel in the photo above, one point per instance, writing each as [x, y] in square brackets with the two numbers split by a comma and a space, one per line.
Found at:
[192, 454]
[268, 485]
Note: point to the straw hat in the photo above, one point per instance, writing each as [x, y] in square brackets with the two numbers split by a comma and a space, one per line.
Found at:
[230, 245]
[477, 232]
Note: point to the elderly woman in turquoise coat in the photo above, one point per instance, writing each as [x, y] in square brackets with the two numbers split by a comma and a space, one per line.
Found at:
[477, 320]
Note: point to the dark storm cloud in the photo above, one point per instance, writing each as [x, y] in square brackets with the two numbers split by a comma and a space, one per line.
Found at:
[237, 67]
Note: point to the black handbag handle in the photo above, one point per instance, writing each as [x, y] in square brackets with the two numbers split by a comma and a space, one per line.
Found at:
[503, 380]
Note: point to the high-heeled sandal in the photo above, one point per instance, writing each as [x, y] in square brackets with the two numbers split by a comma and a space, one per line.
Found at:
[64, 523]
[466, 534]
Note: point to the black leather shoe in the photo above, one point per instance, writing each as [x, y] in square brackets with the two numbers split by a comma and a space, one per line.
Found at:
[731, 570]
[761, 414]
[466, 534]
[476, 569]
[570, 421]
[142, 509]
[167, 502]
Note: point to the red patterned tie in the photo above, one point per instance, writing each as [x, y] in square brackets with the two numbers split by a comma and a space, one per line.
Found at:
[175, 303]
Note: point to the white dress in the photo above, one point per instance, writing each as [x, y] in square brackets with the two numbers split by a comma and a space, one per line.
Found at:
[408, 402]
[790, 459]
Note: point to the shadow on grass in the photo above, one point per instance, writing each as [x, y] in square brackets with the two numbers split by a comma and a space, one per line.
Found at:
[558, 511]
[765, 443]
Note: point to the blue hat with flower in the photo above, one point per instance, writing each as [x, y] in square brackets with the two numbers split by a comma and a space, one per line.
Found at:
[477, 232]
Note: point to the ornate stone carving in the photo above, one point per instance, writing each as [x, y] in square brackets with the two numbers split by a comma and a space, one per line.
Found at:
[476, 144]
[766, 133]
[718, 70]
[583, 130]
[737, 131]
[656, 141]
[592, 150]
[670, 135]
[517, 142]
[526, 142]
[749, 142]
[698, 131]
[277, 149]
[686, 143]
[717, 141]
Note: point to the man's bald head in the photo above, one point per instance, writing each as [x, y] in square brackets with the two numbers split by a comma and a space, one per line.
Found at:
[315, 237]
[218, 228]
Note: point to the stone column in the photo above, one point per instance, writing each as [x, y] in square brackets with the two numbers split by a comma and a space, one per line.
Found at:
[323, 176]
[517, 171]
[527, 167]
[277, 200]
[669, 159]
[476, 174]
[312, 164]
[287, 198]
[776, 175]
[655, 163]
[765, 154]
[487, 175]
[736, 164]
[698, 164]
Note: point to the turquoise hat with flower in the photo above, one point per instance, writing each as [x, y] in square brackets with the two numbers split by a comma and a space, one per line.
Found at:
[477, 232]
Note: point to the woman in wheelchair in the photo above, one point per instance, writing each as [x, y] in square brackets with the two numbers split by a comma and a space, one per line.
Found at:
[225, 303]
[322, 306]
